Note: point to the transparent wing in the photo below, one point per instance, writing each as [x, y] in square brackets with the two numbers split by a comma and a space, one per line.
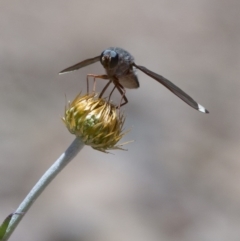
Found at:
[173, 88]
[80, 65]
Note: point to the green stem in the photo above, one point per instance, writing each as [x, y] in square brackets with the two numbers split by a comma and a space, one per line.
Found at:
[43, 182]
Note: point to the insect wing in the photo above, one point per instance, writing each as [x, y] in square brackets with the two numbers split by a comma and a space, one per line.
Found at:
[81, 64]
[173, 88]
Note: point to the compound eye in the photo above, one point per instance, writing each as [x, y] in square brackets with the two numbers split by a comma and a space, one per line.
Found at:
[113, 60]
[109, 59]
[103, 56]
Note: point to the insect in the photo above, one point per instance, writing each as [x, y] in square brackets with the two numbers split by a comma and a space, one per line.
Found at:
[121, 71]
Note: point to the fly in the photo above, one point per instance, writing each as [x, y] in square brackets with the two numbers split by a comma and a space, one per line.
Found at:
[120, 70]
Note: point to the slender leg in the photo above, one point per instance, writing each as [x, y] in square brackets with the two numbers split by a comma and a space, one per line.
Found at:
[87, 85]
[122, 91]
[123, 96]
[117, 86]
[104, 89]
[94, 80]
[111, 93]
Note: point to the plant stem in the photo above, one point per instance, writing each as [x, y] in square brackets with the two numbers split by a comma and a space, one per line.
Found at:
[43, 182]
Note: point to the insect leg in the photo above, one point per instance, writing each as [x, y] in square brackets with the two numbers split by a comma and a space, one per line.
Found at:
[122, 91]
[104, 89]
[94, 80]
[111, 93]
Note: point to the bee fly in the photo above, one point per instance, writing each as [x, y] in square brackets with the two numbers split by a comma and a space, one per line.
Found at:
[121, 71]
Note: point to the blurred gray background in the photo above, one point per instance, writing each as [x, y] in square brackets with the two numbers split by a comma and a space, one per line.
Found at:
[179, 180]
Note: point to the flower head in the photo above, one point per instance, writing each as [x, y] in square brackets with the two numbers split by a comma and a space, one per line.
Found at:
[97, 122]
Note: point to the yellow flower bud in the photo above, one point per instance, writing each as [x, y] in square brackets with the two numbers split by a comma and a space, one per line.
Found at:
[97, 122]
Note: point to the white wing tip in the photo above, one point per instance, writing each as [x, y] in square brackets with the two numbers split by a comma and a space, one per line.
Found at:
[60, 73]
[202, 109]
